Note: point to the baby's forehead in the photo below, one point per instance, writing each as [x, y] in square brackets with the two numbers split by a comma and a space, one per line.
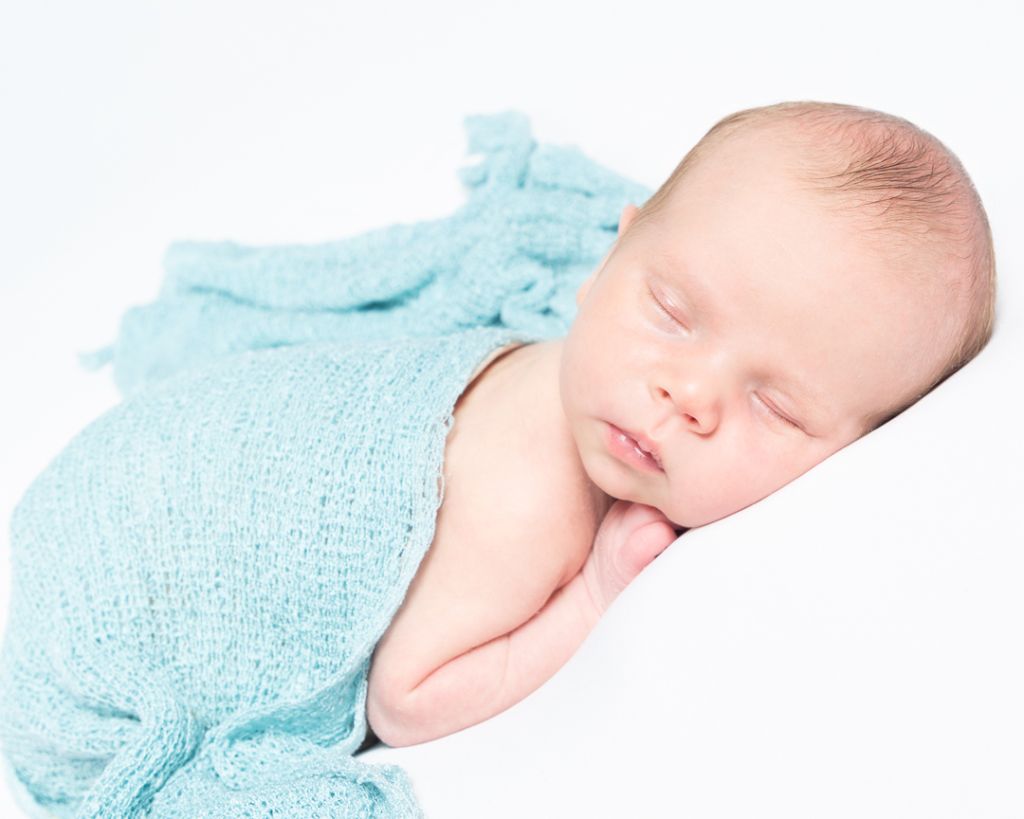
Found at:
[912, 258]
[865, 306]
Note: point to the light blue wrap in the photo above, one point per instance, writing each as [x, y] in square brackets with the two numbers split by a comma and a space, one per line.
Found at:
[199, 578]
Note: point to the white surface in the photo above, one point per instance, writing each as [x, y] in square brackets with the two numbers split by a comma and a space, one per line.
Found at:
[848, 647]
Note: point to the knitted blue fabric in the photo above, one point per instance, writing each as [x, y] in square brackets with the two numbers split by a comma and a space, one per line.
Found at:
[199, 578]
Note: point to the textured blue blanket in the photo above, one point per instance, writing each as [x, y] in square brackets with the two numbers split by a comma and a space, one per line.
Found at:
[199, 578]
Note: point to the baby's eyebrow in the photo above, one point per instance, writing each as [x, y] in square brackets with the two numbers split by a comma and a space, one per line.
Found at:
[698, 295]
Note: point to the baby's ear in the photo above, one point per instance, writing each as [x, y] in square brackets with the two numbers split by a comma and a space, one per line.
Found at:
[629, 212]
[626, 217]
[581, 293]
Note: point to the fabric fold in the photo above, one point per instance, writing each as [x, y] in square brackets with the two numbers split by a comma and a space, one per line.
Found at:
[536, 220]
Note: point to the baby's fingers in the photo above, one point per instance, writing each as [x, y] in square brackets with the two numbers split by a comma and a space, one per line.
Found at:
[630, 537]
[643, 545]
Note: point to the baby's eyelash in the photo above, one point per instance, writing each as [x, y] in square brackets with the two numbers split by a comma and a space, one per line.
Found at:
[662, 308]
[777, 414]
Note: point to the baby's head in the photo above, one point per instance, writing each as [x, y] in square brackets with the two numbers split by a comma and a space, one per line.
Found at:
[806, 273]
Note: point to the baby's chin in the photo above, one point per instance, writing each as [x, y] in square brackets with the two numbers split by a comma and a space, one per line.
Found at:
[608, 488]
[612, 489]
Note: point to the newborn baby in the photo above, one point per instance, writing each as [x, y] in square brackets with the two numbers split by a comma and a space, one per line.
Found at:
[808, 272]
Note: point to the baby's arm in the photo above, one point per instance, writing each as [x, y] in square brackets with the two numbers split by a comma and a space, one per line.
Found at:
[494, 674]
[437, 667]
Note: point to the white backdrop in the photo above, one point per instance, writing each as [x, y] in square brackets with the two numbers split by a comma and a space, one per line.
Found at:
[848, 647]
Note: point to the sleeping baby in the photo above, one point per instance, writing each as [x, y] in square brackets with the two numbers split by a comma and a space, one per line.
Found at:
[807, 272]
[384, 488]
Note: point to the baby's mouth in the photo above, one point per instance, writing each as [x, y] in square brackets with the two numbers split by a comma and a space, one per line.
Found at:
[650, 455]
[628, 446]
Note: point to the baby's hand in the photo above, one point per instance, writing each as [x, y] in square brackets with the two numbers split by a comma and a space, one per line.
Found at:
[629, 538]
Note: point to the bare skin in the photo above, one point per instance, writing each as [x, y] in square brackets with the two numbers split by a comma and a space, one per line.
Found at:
[512, 582]
[766, 286]
[746, 334]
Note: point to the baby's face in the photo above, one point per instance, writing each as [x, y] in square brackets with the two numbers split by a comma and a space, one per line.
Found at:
[747, 334]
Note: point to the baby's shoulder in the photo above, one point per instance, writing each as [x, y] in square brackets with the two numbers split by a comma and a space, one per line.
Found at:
[500, 549]
[510, 472]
